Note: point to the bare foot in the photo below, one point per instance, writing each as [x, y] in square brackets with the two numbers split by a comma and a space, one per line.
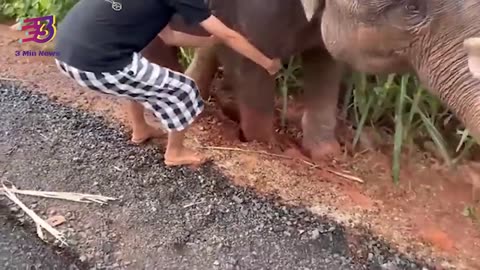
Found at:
[185, 156]
[141, 135]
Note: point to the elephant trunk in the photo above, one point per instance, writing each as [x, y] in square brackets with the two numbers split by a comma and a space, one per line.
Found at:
[447, 74]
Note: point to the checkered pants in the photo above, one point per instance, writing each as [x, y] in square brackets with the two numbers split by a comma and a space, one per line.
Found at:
[171, 96]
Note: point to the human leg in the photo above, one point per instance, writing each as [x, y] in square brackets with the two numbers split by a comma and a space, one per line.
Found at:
[141, 130]
[172, 97]
[178, 154]
[189, 106]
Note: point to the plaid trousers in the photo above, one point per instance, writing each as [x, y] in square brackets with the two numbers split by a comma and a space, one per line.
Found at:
[173, 97]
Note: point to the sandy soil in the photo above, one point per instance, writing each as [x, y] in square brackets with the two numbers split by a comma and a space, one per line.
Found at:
[423, 213]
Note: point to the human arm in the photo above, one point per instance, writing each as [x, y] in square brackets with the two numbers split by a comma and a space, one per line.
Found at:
[197, 12]
[240, 44]
[176, 38]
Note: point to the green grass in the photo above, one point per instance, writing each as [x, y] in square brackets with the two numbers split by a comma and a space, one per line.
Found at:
[399, 103]
[396, 103]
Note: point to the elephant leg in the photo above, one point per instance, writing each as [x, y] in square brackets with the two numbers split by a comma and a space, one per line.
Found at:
[161, 54]
[203, 68]
[322, 76]
[255, 92]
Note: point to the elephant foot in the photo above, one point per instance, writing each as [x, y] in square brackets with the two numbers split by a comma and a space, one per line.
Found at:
[256, 126]
[323, 150]
[319, 141]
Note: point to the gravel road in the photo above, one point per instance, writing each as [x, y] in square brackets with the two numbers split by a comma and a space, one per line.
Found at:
[165, 218]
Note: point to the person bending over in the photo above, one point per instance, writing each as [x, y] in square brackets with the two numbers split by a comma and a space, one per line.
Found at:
[99, 44]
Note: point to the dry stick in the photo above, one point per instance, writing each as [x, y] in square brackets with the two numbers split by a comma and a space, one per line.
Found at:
[12, 79]
[258, 152]
[69, 196]
[350, 177]
[347, 176]
[38, 220]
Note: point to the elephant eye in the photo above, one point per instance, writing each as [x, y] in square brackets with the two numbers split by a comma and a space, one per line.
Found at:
[412, 7]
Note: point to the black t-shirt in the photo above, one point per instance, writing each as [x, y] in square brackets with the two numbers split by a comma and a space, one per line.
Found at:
[101, 35]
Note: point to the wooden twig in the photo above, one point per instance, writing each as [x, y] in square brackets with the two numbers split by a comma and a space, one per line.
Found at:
[38, 220]
[12, 79]
[347, 176]
[257, 152]
[69, 196]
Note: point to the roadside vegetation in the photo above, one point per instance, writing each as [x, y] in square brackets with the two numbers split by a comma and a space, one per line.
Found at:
[394, 105]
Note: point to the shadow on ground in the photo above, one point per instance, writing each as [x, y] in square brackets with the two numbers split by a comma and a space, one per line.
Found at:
[165, 218]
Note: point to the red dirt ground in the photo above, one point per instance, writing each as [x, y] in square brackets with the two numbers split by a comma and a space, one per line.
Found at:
[423, 213]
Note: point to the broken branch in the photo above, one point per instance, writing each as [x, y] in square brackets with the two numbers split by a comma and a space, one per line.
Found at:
[38, 220]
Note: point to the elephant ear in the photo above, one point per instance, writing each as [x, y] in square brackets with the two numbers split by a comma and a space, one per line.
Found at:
[309, 7]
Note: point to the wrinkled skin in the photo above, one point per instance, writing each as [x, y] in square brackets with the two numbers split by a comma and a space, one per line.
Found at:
[279, 28]
[425, 37]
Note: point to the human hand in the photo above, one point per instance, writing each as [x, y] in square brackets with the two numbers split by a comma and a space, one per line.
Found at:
[274, 66]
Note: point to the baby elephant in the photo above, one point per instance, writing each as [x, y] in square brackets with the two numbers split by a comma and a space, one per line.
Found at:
[426, 37]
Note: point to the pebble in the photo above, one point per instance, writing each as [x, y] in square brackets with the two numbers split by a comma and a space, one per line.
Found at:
[237, 199]
[315, 234]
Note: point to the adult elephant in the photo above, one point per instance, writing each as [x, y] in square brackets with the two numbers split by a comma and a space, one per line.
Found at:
[279, 28]
[425, 37]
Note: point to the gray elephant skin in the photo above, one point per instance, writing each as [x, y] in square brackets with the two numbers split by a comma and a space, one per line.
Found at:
[424, 37]
[279, 28]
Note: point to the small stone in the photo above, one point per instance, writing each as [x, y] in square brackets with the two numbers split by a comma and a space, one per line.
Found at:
[237, 199]
[73, 242]
[447, 265]
[370, 256]
[315, 234]
[216, 263]
[83, 258]
[388, 266]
